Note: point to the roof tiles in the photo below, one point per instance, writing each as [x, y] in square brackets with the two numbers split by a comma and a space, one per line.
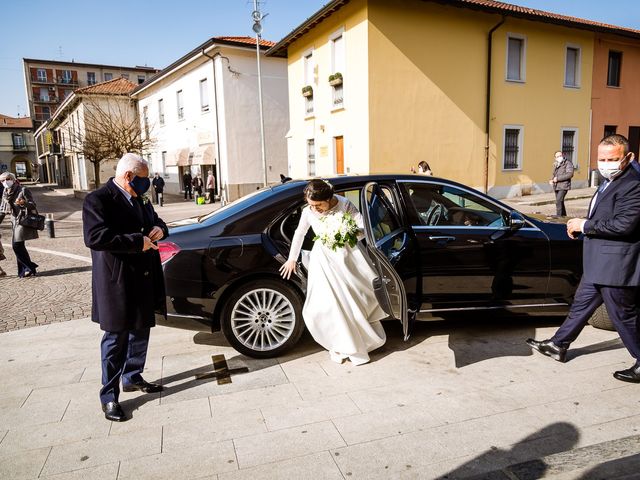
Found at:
[117, 86]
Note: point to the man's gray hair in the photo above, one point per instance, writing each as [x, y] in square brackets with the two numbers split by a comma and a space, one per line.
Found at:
[130, 162]
[7, 176]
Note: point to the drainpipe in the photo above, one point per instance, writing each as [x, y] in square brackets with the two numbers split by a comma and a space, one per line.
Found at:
[221, 188]
[487, 120]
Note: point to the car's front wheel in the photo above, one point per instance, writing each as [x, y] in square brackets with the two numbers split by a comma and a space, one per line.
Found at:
[263, 318]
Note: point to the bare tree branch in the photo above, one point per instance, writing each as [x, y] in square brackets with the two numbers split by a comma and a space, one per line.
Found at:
[111, 129]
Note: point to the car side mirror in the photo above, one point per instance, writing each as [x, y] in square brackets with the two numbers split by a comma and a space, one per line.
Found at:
[516, 220]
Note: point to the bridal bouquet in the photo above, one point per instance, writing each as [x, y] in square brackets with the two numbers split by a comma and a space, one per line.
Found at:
[340, 229]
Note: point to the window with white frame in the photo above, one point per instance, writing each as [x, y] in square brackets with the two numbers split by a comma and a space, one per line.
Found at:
[570, 145]
[311, 157]
[572, 67]
[18, 141]
[179, 105]
[204, 96]
[44, 94]
[164, 164]
[516, 46]
[141, 79]
[107, 76]
[309, 78]
[145, 119]
[41, 75]
[91, 78]
[67, 77]
[161, 111]
[512, 147]
[337, 63]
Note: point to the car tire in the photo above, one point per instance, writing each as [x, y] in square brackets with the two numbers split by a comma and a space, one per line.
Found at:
[263, 318]
[600, 319]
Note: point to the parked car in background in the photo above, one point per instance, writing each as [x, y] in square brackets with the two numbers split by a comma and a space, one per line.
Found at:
[441, 250]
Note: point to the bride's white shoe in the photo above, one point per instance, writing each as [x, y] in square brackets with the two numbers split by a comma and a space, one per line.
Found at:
[359, 359]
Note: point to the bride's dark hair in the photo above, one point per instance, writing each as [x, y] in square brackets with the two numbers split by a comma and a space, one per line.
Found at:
[318, 190]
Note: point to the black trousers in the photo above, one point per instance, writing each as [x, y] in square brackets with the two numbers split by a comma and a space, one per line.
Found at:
[25, 265]
[212, 195]
[560, 210]
[187, 189]
[621, 305]
[123, 355]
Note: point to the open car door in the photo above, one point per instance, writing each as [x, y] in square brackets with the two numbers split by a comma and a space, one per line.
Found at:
[387, 243]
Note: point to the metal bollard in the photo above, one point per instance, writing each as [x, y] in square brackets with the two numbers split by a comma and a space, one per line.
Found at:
[49, 225]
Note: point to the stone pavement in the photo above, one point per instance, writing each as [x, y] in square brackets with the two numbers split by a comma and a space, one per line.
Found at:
[62, 289]
[458, 400]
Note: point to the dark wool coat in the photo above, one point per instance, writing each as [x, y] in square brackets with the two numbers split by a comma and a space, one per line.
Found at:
[563, 172]
[127, 283]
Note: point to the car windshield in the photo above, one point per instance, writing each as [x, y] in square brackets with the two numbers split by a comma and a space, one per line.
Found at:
[236, 206]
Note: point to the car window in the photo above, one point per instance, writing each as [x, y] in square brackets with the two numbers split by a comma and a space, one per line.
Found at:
[383, 221]
[353, 196]
[434, 205]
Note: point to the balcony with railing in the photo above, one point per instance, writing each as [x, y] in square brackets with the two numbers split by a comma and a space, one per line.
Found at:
[49, 99]
[73, 82]
[42, 80]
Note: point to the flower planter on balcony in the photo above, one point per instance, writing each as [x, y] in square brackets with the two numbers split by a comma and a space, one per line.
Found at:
[307, 91]
[335, 79]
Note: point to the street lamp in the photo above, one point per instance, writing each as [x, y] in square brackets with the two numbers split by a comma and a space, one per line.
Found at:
[257, 28]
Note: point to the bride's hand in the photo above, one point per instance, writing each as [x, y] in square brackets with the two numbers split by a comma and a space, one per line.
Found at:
[287, 269]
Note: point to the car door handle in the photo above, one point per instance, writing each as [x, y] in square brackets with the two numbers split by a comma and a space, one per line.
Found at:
[441, 238]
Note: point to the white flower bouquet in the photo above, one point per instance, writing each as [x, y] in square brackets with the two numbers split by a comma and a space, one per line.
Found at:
[340, 229]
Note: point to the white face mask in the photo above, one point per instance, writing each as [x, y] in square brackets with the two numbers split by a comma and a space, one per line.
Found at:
[610, 170]
[7, 183]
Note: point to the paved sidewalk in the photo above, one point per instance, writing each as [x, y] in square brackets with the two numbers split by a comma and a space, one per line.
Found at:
[457, 400]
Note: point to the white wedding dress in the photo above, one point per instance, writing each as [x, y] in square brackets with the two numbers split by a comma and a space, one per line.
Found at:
[341, 311]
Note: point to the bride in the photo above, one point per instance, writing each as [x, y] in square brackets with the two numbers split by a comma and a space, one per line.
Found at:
[341, 311]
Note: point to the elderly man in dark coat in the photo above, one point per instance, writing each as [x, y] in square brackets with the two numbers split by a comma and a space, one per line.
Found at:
[121, 229]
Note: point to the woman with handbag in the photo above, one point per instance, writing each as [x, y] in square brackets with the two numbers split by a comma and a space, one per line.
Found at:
[17, 201]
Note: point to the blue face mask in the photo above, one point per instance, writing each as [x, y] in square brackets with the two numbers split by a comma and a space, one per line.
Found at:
[140, 185]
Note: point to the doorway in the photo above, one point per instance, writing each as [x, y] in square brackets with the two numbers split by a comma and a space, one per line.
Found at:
[339, 149]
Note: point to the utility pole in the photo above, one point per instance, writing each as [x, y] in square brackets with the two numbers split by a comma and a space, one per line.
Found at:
[257, 28]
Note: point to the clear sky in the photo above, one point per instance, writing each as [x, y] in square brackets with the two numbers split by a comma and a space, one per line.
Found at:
[158, 32]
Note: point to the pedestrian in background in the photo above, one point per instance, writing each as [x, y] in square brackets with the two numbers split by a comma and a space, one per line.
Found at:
[611, 253]
[186, 182]
[158, 188]
[424, 168]
[17, 201]
[561, 181]
[121, 229]
[211, 186]
[197, 184]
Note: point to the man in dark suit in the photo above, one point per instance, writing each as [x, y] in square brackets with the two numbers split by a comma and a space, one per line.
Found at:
[611, 252]
[121, 229]
[186, 182]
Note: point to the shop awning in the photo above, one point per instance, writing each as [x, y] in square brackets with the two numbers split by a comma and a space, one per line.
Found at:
[179, 157]
[204, 155]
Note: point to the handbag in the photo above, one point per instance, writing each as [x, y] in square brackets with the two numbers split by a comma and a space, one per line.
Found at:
[32, 220]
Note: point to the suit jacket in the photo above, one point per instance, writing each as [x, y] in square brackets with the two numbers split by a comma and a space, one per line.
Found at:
[611, 249]
[127, 283]
[564, 173]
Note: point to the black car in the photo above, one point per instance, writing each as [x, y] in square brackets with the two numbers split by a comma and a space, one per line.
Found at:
[441, 249]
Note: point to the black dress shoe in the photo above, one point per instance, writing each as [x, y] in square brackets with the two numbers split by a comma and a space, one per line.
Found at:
[629, 375]
[142, 386]
[113, 411]
[548, 348]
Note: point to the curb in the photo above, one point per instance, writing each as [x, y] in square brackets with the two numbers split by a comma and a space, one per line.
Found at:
[551, 202]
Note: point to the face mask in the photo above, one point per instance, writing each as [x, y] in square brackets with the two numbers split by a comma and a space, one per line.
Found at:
[7, 183]
[610, 170]
[140, 185]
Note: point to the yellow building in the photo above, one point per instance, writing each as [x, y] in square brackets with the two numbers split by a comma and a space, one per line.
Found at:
[485, 92]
